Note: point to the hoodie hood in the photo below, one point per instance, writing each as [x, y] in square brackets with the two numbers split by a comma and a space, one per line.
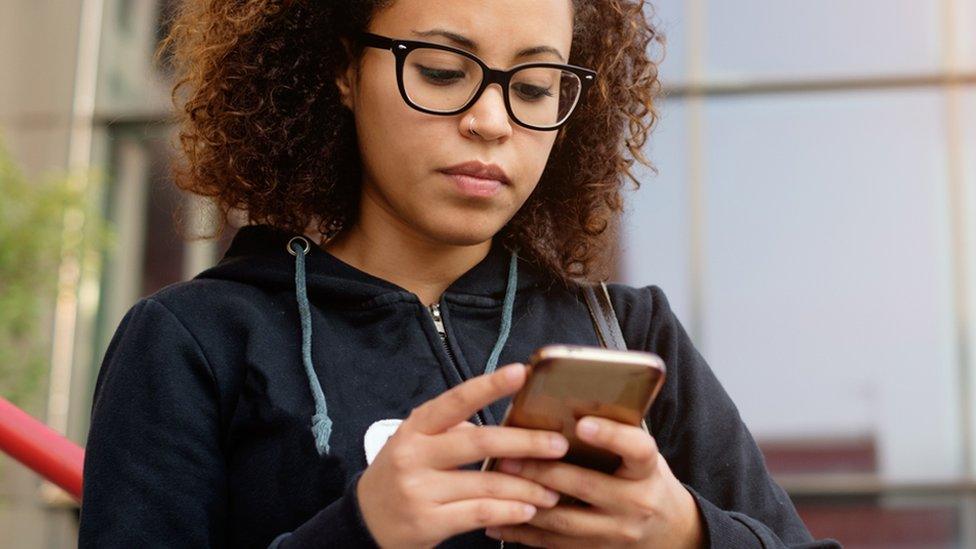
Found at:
[258, 255]
[263, 255]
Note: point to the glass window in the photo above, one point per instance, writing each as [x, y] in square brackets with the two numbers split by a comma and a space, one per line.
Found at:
[655, 230]
[965, 31]
[967, 146]
[127, 81]
[765, 39]
[828, 279]
[164, 218]
[670, 18]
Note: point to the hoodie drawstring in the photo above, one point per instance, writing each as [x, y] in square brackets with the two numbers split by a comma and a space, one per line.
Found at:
[507, 307]
[321, 422]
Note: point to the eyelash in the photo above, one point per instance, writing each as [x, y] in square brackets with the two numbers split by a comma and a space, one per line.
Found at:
[431, 75]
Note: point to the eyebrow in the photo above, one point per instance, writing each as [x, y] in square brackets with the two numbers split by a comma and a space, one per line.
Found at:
[466, 42]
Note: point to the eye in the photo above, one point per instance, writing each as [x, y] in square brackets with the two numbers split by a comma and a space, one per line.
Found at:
[440, 76]
[530, 92]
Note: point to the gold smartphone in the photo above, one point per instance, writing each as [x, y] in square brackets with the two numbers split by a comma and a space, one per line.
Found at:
[566, 382]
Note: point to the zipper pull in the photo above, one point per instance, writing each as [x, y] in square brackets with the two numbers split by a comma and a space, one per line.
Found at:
[435, 313]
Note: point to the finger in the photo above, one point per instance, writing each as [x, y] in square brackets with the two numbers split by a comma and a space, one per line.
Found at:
[463, 401]
[580, 522]
[637, 448]
[456, 448]
[461, 426]
[594, 487]
[461, 485]
[472, 514]
[537, 537]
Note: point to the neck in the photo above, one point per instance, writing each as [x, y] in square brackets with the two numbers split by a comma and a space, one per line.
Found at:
[395, 253]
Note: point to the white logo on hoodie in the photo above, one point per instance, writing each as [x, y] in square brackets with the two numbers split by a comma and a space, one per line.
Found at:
[377, 435]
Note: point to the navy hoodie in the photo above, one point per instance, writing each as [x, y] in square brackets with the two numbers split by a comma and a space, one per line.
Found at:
[201, 422]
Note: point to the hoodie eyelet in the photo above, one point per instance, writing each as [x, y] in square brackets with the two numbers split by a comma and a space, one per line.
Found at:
[305, 244]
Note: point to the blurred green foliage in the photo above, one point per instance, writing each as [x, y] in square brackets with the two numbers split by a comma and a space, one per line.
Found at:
[32, 231]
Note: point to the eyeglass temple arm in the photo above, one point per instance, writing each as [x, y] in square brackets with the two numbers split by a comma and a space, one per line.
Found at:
[376, 41]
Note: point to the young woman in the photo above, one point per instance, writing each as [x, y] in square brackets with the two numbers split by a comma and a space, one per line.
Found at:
[426, 181]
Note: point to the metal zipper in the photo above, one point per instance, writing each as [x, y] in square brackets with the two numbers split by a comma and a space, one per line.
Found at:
[435, 313]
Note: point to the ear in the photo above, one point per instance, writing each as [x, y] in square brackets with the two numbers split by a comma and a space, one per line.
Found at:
[345, 80]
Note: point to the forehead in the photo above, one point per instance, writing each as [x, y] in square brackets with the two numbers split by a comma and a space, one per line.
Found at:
[499, 28]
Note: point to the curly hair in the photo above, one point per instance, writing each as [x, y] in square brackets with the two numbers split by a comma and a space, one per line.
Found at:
[262, 128]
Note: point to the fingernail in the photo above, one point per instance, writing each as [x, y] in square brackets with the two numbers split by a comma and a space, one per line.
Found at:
[528, 510]
[558, 443]
[510, 465]
[513, 372]
[493, 533]
[588, 427]
[552, 496]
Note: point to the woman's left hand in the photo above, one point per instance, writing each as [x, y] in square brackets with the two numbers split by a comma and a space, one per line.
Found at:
[641, 505]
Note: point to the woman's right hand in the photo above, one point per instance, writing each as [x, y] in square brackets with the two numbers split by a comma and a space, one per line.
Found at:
[413, 494]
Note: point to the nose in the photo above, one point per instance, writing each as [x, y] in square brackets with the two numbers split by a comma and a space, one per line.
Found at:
[491, 118]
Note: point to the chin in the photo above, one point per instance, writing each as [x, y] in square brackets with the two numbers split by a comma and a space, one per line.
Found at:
[465, 234]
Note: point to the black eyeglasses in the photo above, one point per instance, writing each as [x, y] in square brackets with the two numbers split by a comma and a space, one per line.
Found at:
[438, 79]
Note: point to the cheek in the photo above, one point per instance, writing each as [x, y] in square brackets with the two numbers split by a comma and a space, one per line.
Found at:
[391, 137]
[534, 156]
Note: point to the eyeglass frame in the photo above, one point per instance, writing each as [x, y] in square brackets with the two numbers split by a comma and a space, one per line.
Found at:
[401, 48]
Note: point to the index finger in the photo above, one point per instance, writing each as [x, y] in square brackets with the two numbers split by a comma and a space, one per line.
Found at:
[459, 403]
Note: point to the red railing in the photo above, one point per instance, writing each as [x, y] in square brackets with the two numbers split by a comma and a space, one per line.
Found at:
[41, 448]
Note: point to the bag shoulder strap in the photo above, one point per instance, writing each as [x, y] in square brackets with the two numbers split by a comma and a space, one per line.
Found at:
[603, 316]
[605, 321]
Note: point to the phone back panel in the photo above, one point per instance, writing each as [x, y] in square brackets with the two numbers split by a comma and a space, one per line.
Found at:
[567, 382]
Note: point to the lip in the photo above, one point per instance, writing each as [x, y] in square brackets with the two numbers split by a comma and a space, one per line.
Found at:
[479, 170]
[477, 187]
